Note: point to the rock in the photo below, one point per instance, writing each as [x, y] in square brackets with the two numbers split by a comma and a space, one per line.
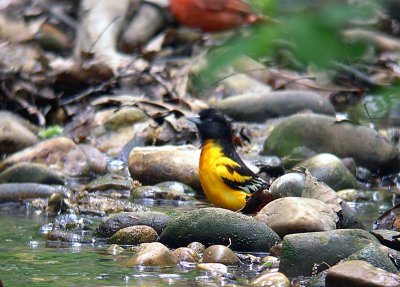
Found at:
[270, 279]
[297, 184]
[295, 214]
[300, 252]
[63, 155]
[101, 205]
[290, 184]
[56, 204]
[63, 236]
[17, 192]
[270, 261]
[116, 127]
[158, 193]
[152, 254]
[148, 20]
[348, 218]
[151, 165]
[213, 268]
[212, 226]
[30, 172]
[50, 152]
[259, 107]
[133, 235]
[126, 116]
[15, 133]
[358, 273]
[376, 255]
[110, 182]
[115, 249]
[186, 254]
[115, 222]
[302, 135]
[84, 160]
[303, 184]
[220, 254]
[177, 187]
[329, 169]
[197, 247]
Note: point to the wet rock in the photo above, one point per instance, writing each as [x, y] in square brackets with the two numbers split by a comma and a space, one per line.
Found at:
[63, 155]
[50, 152]
[358, 273]
[348, 218]
[115, 222]
[132, 235]
[153, 254]
[156, 193]
[186, 254]
[115, 249]
[177, 186]
[300, 136]
[110, 183]
[376, 255]
[30, 172]
[84, 160]
[213, 268]
[259, 107]
[63, 236]
[298, 184]
[71, 222]
[152, 165]
[56, 204]
[18, 192]
[303, 184]
[212, 226]
[329, 169]
[357, 195]
[290, 184]
[197, 247]
[220, 254]
[270, 279]
[295, 214]
[300, 252]
[15, 133]
[101, 205]
[270, 261]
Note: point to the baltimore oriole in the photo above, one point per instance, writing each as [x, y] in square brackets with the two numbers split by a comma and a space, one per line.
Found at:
[225, 179]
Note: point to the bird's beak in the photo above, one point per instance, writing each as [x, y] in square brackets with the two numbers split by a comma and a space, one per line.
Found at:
[195, 120]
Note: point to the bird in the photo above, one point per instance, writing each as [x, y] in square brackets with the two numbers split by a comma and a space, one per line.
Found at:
[213, 15]
[225, 179]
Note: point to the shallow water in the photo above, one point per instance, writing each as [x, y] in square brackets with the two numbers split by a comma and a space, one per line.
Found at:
[27, 260]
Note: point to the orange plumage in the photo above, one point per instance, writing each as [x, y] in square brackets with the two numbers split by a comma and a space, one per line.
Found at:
[212, 15]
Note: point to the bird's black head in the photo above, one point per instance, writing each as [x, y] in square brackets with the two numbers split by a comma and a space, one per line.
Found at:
[212, 124]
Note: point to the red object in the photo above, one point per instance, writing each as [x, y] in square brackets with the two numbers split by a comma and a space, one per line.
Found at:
[212, 15]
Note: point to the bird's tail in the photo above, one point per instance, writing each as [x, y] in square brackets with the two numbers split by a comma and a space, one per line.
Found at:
[257, 201]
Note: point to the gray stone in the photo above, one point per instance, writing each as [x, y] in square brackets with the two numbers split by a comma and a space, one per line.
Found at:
[358, 273]
[302, 251]
[259, 107]
[212, 226]
[295, 214]
[329, 169]
[115, 222]
[323, 134]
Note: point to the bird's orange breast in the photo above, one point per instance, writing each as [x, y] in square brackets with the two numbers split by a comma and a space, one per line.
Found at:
[216, 190]
[212, 16]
